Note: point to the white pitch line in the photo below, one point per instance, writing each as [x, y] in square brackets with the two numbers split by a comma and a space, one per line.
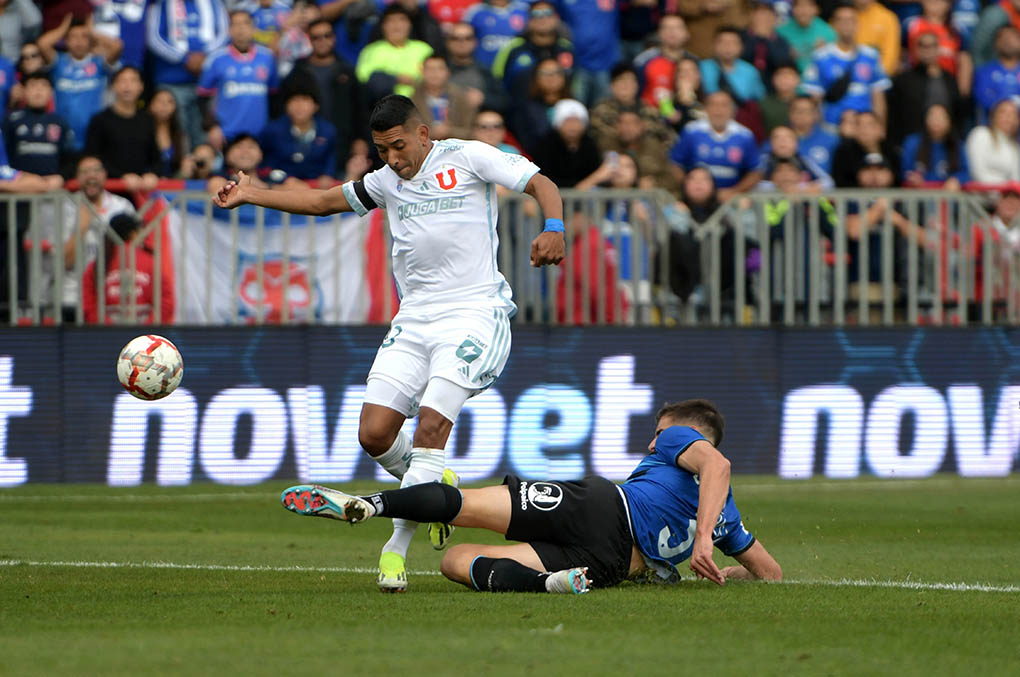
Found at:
[842, 582]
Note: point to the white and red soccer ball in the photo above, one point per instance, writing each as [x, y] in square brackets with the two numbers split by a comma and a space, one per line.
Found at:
[150, 367]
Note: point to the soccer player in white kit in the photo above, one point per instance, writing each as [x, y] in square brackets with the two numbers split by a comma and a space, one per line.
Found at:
[451, 337]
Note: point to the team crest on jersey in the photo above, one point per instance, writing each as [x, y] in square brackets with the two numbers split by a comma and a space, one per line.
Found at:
[400, 185]
[53, 133]
[516, 23]
[864, 71]
[447, 181]
[545, 495]
[734, 154]
[261, 73]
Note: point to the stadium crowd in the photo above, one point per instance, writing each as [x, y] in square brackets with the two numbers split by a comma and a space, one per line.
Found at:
[707, 99]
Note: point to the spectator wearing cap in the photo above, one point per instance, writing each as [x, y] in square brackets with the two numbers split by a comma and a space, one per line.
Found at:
[300, 142]
[495, 23]
[567, 153]
[341, 97]
[705, 17]
[466, 71]
[805, 32]
[123, 135]
[656, 66]
[999, 77]
[935, 155]
[241, 76]
[722, 145]
[446, 108]
[920, 87]
[993, 17]
[630, 137]
[623, 95]
[952, 58]
[530, 120]
[392, 63]
[542, 39]
[595, 30]
[847, 75]
[40, 141]
[879, 27]
[868, 138]
[813, 139]
[764, 48]
[992, 151]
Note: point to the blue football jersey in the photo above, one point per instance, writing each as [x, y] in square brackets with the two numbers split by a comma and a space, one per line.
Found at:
[78, 88]
[595, 31]
[7, 173]
[494, 27]
[242, 83]
[992, 83]
[819, 145]
[663, 502]
[729, 156]
[829, 65]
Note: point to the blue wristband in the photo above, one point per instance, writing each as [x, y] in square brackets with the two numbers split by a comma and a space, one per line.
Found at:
[553, 226]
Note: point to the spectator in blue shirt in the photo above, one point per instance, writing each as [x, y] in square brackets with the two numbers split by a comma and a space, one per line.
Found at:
[935, 155]
[241, 75]
[595, 31]
[813, 139]
[726, 70]
[301, 143]
[1000, 78]
[496, 22]
[720, 144]
[80, 74]
[180, 33]
[846, 75]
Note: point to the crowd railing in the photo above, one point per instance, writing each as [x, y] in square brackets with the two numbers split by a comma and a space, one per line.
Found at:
[860, 257]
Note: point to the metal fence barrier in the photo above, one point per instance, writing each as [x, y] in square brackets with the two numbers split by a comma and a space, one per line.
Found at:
[633, 258]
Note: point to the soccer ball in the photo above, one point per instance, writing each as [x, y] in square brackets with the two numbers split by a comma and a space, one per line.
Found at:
[150, 367]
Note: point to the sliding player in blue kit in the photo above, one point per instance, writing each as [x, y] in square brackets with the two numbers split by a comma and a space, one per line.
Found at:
[676, 505]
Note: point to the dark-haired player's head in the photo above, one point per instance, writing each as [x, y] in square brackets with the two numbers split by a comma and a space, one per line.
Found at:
[699, 414]
[242, 30]
[399, 134]
[38, 90]
[78, 39]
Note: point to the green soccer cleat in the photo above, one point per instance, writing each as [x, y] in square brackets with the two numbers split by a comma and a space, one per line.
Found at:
[440, 533]
[392, 573]
[318, 501]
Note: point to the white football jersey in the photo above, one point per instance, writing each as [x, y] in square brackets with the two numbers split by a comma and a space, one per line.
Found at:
[443, 223]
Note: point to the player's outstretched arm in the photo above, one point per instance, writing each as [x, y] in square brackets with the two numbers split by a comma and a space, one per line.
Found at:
[756, 564]
[713, 470]
[549, 247]
[296, 201]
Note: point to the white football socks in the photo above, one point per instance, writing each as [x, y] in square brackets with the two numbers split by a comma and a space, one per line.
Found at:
[397, 458]
[426, 465]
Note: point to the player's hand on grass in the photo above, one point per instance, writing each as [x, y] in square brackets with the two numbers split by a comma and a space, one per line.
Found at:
[232, 193]
[547, 249]
[702, 563]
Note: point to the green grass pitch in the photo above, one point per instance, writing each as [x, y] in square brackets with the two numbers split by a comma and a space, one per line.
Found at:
[297, 596]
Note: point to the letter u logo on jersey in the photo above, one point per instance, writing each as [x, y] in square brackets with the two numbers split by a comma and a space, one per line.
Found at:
[451, 176]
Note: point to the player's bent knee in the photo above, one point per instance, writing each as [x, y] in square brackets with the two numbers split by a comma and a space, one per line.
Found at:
[433, 429]
[456, 564]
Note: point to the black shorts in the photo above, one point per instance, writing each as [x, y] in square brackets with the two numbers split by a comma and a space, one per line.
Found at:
[573, 524]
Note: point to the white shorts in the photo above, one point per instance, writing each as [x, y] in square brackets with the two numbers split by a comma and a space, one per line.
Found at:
[466, 347]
